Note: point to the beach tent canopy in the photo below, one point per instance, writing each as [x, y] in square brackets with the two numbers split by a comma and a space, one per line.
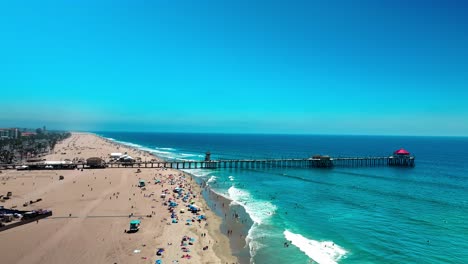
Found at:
[401, 152]
[135, 222]
[126, 158]
[58, 162]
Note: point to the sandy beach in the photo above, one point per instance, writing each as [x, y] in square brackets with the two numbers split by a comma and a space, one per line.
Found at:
[92, 209]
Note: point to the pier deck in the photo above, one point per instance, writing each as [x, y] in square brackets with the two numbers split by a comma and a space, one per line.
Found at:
[324, 162]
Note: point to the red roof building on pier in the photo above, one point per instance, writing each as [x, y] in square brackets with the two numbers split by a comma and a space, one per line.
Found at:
[401, 152]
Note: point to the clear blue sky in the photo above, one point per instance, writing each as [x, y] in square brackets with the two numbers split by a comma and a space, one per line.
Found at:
[319, 67]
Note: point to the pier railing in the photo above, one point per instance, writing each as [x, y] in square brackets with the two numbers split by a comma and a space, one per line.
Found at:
[323, 162]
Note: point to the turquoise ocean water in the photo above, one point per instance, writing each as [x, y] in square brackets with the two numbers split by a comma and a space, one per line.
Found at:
[339, 215]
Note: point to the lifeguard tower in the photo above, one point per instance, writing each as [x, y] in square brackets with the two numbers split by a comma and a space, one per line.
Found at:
[208, 163]
[141, 183]
[134, 226]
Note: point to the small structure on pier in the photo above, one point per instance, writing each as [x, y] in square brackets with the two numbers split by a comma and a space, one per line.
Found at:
[208, 156]
[208, 163]
[321, 161]
[95, 162]
[401, 157]
[401, 152]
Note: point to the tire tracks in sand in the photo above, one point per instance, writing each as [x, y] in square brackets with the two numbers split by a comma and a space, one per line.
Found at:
[53, 242]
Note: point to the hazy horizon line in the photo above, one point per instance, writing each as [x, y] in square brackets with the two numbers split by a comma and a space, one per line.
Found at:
[262, 133]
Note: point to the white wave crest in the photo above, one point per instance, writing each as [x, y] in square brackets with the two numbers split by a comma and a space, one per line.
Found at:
[166, 148]
[198, 172]
[231, 178]
[212, 179]
[325, 252]
[258, 210]
[253, 240]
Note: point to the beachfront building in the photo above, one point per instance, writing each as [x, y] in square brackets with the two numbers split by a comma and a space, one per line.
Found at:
[28, 134]
[9, 133]
[95, 162]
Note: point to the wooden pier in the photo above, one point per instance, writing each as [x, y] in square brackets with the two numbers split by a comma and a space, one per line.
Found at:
[314, 162]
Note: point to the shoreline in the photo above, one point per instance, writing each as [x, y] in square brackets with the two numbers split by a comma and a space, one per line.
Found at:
[224, 208]
[234, 218]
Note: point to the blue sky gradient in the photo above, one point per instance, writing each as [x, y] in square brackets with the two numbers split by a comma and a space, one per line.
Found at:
[315, 67]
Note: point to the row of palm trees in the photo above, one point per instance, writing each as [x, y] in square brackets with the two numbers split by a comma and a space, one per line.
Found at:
[14, 150]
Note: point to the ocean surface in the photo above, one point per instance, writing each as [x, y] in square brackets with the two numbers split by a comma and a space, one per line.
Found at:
[339, 215]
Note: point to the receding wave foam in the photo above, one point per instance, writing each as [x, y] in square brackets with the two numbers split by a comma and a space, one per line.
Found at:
[231, 178]
[166, 148]
[212, 179]
[198, 172]
[258, 210]
[325, 252]
[161, 152]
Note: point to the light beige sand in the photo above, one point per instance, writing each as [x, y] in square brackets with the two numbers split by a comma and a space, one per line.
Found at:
[100, 202]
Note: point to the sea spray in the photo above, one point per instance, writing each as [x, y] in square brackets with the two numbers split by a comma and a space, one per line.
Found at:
[325, 252]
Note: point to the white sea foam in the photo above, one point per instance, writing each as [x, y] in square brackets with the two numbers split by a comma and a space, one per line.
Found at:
[181, 159]
[253, 240]
[133, 145]
[161, 152]
[212, 179]
[130, 144]
[166, 148]
[151, 150]
[231, 178]
[322, 252]
[198, 172]
[258, 210]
